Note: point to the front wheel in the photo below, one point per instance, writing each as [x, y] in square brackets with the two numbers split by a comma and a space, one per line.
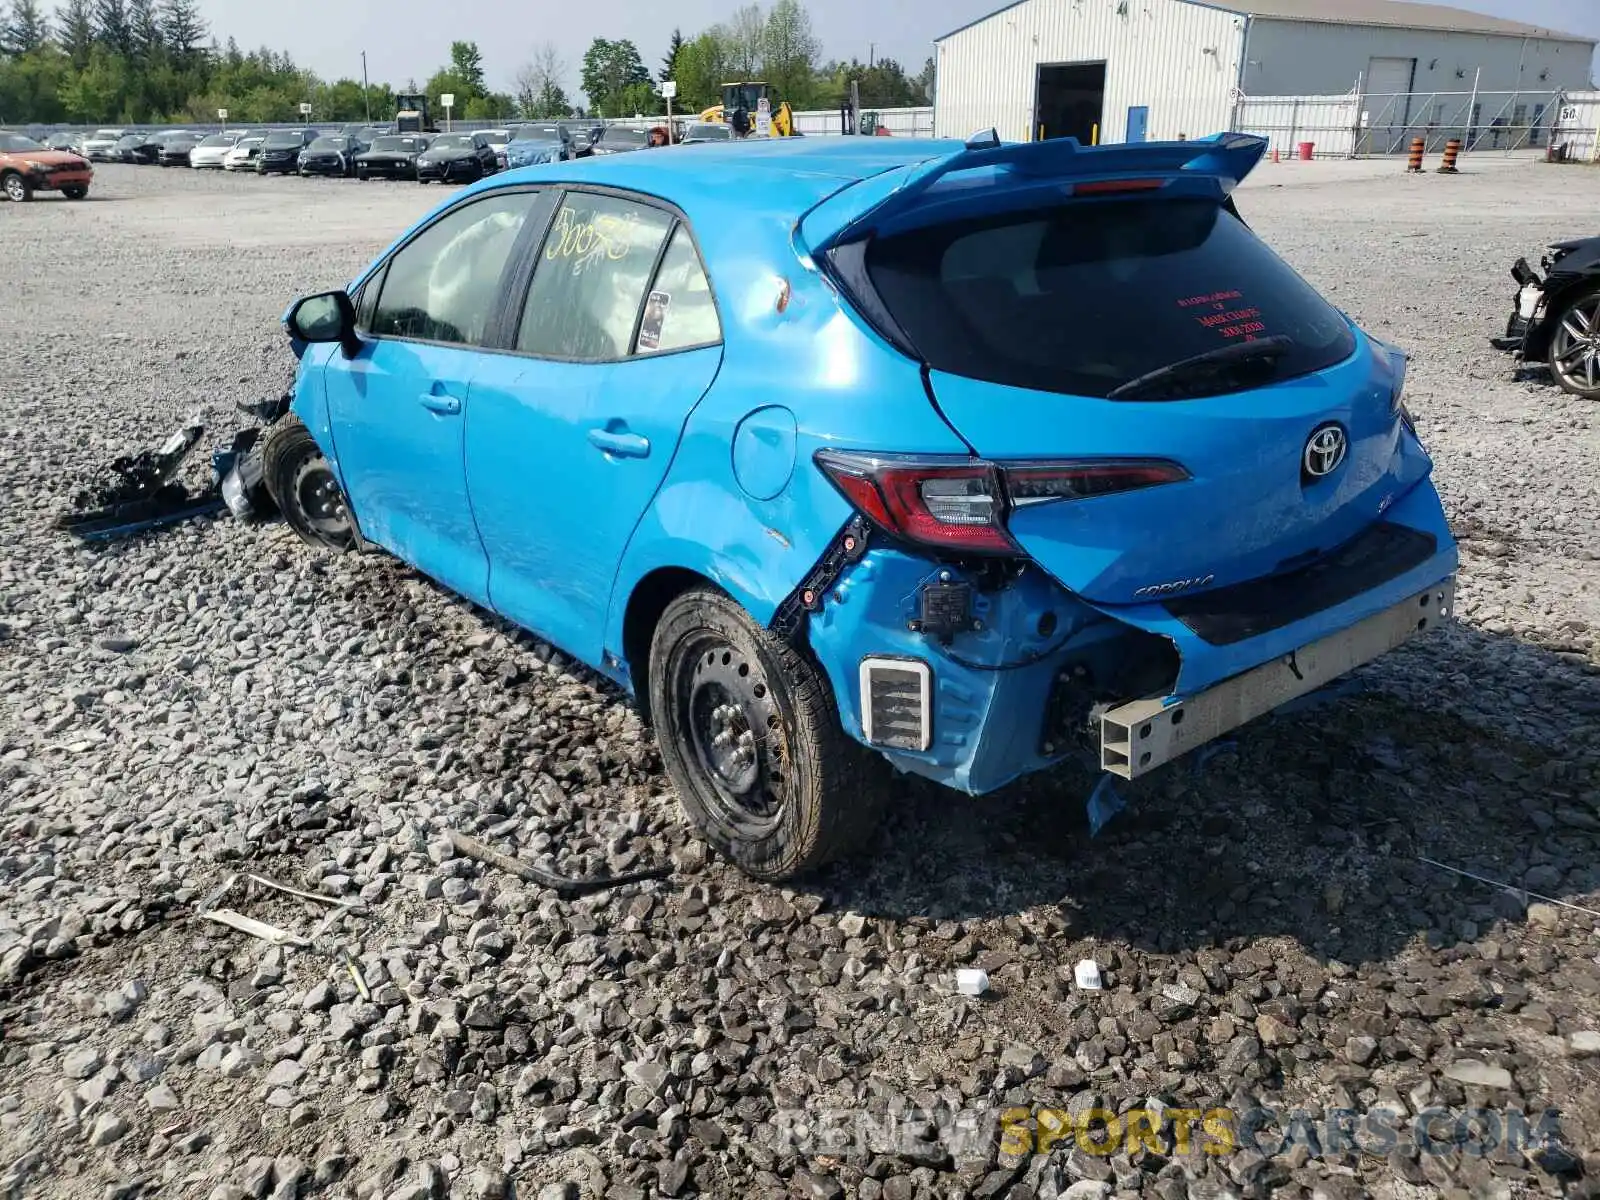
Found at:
[1575, 348]
[16, 188]
[75, 191]
[302, 484]
[752, 742]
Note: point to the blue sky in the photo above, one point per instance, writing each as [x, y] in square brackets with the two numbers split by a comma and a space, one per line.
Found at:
[406, 38]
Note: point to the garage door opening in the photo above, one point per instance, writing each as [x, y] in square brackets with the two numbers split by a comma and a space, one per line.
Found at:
[1071, 101]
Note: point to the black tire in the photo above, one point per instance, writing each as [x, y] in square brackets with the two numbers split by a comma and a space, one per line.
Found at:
[302, 484]
[751, 739]
[1574, 358]
[16, 188]
[75, 191]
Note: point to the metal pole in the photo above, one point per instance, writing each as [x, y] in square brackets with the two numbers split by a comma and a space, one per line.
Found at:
[669, 120]
[1472, 105]
[366, 90]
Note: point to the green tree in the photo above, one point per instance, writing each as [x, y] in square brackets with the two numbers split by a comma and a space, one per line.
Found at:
[789, 53]
[928, 81]
[669, 64]
[540, 94]
[24, 29]
[183, 29]
[609, 70]
[112, 26]
[75, 26]
[466, 63]
[702, 70]
[744, 42]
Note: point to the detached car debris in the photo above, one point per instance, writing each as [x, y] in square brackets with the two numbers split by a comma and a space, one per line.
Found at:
[1555, 319]
[136, 492]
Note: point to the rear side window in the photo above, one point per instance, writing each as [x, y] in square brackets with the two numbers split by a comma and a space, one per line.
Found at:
[1085, 297]
[679, 313]
[590, 282]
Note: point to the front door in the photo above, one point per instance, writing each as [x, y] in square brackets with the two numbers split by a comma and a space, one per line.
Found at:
[398, 406]
[571, 435]
[1138, 123]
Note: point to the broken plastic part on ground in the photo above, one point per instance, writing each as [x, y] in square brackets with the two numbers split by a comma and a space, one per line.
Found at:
[136, 492]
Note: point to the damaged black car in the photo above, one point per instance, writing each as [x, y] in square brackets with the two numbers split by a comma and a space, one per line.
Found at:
[1555, 318]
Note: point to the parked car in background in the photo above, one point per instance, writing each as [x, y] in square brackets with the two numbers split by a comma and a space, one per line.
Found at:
[100, 145]
[176, 148]
[391, 157]
[212, 152]
[70, 142]
[584, 135]
[619, 139]
[142, 149]
[334, 155]
[280, 152]
[27, 166]
[1104, 477]
[544, 133]
[457, 158]
[534, 144]
[242, 157]
[497, 142]
[706, 131]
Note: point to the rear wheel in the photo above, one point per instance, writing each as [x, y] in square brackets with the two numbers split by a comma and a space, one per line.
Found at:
[1575, 348]
[752, 741]
[16, 188]
[302, 484]
[75, 191]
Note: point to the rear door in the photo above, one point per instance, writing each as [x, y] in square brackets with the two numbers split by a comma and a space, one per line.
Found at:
[573, 432]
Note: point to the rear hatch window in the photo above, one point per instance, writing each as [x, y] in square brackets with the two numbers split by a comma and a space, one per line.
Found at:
[1084, 298]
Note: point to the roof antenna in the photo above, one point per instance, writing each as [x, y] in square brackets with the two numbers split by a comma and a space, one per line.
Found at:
[984, 140]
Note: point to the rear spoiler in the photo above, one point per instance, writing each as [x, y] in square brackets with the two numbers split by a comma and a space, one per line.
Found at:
[985, 163]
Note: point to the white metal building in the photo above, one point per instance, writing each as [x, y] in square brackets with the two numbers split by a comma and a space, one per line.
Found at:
[1131, 70]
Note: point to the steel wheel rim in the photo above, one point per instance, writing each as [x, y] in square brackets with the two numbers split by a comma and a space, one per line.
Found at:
[1575, 352]
[14, 188]
[733, 734]
[320, 501]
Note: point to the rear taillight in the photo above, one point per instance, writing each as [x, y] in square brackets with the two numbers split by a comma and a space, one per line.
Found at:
[961, 504]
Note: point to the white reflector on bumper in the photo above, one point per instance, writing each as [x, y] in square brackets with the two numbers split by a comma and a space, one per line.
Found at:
[897, 703]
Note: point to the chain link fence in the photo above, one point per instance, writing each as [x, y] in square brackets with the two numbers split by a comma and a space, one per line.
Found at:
[1367, 125]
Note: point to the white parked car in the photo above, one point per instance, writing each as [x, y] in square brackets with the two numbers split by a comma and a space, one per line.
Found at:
[212, 152]
[243, 155]
[98, 145]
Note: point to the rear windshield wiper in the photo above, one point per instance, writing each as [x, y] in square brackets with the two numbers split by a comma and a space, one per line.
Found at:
[1262, 350]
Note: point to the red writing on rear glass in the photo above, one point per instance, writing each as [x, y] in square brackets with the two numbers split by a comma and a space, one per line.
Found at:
[1217, 298]
[1226, 316]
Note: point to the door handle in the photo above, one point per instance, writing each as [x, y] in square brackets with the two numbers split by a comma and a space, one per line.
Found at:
[448, 405]
[623, 445]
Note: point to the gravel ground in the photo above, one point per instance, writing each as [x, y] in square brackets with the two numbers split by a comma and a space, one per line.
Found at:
[216, 699]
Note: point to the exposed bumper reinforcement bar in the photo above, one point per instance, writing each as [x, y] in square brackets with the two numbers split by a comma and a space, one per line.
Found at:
[1138, 737]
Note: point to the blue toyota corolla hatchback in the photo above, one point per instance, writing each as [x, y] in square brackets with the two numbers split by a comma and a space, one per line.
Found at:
[976, 457]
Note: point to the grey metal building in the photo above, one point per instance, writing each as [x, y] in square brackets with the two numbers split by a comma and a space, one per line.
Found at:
[1131, 70]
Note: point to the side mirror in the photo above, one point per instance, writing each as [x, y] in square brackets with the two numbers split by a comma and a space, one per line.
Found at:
[325, 317]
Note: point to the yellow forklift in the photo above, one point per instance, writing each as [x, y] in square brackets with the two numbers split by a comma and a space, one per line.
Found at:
[741, 108]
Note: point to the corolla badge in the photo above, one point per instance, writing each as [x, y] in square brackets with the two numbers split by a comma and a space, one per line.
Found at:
[1172, 588]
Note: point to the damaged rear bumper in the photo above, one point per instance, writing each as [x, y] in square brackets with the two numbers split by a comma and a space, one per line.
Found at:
[1026, 675]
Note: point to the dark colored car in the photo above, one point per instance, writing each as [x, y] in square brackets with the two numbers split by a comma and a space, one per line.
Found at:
[618, 139]
[175, 149]
[1556, 317]
[392, 157]
[72, 143]
[457, 158]
[280, 153]
[141, 148]
[332, 156]
[584, 135]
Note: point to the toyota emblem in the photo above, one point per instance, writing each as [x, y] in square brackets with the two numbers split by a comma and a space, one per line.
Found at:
[1325, 451]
